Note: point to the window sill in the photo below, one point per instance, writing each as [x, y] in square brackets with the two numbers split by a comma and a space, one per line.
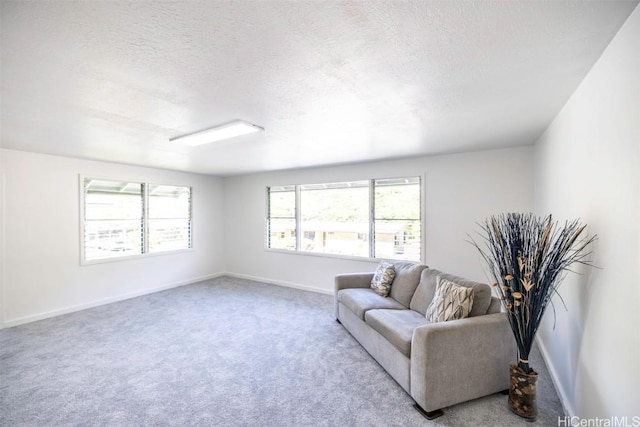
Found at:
[336, 256]
[84, 262]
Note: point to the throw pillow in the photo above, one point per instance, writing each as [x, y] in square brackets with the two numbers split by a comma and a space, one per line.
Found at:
[450, 302]
[382, 278]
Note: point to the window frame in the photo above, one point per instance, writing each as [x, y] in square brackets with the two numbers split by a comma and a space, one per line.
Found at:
[371, 229]
[145, 253]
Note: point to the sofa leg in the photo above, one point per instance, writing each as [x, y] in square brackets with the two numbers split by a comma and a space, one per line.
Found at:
[428, 415]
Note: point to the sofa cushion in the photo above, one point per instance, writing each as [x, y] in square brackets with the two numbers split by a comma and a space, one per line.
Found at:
[406, 281]
[427, 289]
[382, 278]
[451, 302]
[495, 306]
[359, 300]
[396, 326]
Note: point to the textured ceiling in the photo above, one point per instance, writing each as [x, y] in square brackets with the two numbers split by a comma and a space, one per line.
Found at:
[331, 82]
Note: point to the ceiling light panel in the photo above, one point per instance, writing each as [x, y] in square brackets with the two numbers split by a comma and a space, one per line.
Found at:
[218, 133]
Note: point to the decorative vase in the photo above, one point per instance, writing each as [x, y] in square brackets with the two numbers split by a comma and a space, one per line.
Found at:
[522, 393]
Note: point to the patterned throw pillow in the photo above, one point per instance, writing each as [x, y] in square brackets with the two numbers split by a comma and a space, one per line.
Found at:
[450, 302]
[382, 278]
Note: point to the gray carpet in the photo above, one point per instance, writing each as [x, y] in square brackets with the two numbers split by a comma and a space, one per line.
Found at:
[225, 352]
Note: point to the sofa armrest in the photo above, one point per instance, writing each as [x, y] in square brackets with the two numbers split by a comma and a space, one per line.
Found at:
[460, 360]
[353, 280]
[350, 280]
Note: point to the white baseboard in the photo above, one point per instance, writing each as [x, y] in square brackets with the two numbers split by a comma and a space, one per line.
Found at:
[74, 308]
[279, 283]
[566, 405]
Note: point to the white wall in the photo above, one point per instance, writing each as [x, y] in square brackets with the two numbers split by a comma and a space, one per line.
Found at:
[588, 166]
[42, 274]
[460, 190]
[2, 228]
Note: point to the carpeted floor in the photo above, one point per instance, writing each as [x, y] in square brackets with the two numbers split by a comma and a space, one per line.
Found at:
[225, 352]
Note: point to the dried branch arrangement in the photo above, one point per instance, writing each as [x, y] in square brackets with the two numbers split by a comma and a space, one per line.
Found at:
[528, 257]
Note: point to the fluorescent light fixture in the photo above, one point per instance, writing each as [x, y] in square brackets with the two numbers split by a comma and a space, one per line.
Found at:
[218, 133]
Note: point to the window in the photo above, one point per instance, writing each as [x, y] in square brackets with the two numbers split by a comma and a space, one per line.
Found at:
[335, 215]
[375, 218]
[397, 218]
[169, 218]
[281, 210]
[123, 218]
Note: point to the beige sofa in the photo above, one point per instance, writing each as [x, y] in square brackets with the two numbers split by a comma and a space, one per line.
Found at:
[437, 364]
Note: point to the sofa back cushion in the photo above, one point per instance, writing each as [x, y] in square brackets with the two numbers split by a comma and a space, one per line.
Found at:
[495, 306]
[427, 289]
[406, 281]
